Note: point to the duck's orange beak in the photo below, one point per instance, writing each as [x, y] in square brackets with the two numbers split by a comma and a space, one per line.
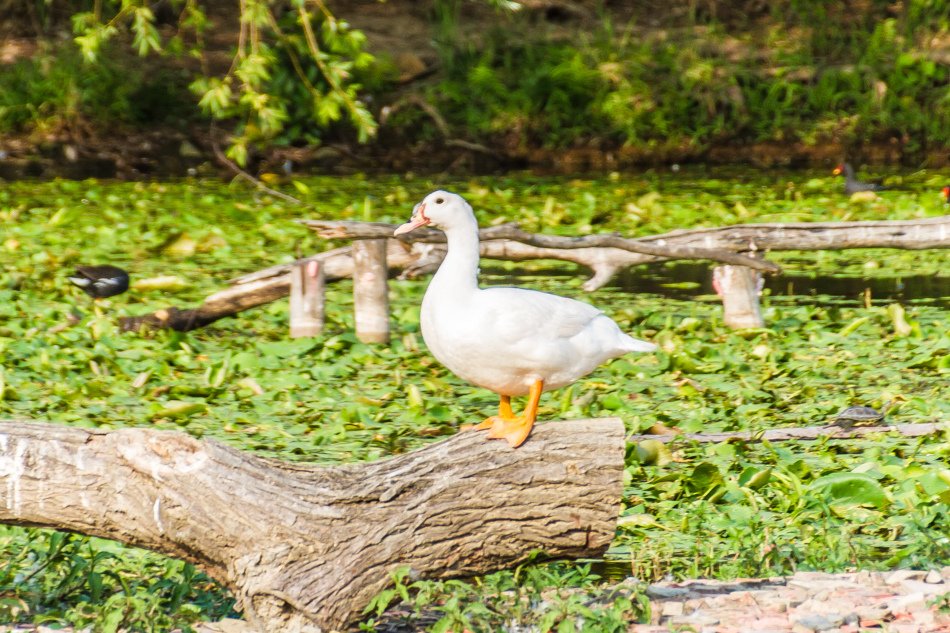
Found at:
[418, 219]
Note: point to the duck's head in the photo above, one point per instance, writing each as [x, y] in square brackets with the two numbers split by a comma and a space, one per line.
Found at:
[440, 209]
[945, 192]
[838, 170]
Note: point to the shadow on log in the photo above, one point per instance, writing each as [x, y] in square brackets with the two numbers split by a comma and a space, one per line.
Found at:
[305, 548]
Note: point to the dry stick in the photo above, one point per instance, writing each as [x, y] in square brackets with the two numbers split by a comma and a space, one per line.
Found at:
[440, 123]
[230, 164]
[799, 433]
[371, 230]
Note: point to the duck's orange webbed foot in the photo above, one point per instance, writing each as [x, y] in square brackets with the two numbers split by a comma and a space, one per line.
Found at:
[504, 413]
[514, 429]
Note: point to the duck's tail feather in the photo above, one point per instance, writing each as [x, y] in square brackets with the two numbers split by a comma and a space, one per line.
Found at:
[636, 345]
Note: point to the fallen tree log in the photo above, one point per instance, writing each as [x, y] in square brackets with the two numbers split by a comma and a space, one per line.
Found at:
[414, 255]
[305, 548]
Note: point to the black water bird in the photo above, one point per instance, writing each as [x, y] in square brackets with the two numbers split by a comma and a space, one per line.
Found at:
[852, 184]
[100, 282]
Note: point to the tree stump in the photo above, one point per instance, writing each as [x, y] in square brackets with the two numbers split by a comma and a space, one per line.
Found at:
[371, 291]
[307, 298]
[739, 289]
[305, 548]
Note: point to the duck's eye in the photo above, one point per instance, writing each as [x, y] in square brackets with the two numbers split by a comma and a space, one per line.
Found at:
[439, 200]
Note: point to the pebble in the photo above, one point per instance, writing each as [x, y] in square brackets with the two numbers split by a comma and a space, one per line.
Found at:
[658, 591]
[934, 577]
[819, 622]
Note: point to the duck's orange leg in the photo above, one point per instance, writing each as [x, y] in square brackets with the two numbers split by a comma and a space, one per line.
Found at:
[517, 429]
[504, 413]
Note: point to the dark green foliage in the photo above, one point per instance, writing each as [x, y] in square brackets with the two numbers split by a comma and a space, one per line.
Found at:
[815, 72]
[56, 90]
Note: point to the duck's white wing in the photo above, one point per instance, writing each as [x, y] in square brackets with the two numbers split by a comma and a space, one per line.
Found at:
[517, 314]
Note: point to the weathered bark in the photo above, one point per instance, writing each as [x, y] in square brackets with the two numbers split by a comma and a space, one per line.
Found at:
[830, 431]
[305, 548]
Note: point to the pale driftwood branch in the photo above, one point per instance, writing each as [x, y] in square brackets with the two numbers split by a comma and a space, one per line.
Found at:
[372, 230]
[800, 433]
[426, 252]
[305, 548]
[817, 236]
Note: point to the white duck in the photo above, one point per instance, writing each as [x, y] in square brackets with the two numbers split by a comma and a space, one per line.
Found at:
[510, 340]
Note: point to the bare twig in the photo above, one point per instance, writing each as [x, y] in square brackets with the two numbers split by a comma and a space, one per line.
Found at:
[799, 433]
[437, 118]
[230, 164]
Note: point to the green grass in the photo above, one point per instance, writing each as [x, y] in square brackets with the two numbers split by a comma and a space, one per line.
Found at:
[727, 510]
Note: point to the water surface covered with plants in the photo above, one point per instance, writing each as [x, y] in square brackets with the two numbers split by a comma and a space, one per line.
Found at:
[861, 327]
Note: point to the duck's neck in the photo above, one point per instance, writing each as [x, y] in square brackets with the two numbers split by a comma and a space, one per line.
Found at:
[459, 269]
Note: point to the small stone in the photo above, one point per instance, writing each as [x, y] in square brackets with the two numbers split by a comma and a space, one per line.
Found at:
[695, 604]
[899, 576]
[934, 577]
[697, 619]
[671, 609]
[917, 586]
[660, 592]
[909, 602]
[817, 622]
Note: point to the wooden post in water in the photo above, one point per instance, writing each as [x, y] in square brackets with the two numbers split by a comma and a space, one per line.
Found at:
[739, 287]
[306, 298]
[371, 291]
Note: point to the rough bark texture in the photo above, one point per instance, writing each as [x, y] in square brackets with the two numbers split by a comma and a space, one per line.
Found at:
[304, 548]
